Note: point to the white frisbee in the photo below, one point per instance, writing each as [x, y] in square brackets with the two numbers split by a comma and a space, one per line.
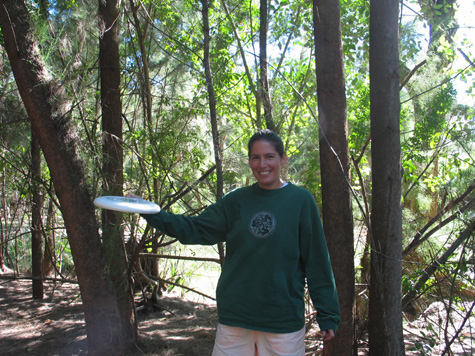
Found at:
[127, 205]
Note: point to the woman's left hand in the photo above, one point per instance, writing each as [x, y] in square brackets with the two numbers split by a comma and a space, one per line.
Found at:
[327, 335]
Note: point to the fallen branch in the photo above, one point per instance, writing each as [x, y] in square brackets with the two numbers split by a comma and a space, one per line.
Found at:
[185, 287]
[45, 279]
[430, 270]
[419, 238]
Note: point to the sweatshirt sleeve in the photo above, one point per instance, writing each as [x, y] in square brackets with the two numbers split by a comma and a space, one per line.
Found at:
[318, 269]
[207, 228]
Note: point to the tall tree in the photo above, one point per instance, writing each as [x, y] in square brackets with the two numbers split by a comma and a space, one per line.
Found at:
[263, 79]
[337, 213]
[142, 31]
[42, 100]
[218, 154]
[112, 172]
[36, 235]
[385, 313]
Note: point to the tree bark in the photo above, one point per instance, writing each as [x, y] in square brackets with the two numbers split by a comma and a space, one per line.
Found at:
[218, 154]
[36, 235]
[104, 325]
[337, 212]
[49, 256]
[112, 155]
[385, 312]
[3, 220]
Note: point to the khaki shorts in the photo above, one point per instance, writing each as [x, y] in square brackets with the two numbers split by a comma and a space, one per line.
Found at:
[234, 341]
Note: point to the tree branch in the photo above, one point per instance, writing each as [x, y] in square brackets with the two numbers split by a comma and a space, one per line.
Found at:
[186, 258]
[419, 238]
[430, 270]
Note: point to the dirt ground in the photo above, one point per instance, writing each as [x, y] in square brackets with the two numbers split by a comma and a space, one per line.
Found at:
[55, 326]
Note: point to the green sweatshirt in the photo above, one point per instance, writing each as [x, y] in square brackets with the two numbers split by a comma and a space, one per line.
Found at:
[274, 243]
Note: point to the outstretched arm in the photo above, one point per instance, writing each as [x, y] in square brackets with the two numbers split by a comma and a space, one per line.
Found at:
[207, 228]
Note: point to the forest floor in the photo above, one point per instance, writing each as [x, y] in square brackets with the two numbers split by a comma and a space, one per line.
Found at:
[55, 326]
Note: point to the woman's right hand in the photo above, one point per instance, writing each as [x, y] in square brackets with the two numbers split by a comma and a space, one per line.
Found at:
[130, 195]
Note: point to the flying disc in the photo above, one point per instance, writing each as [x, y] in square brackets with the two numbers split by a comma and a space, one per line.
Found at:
[127, 204]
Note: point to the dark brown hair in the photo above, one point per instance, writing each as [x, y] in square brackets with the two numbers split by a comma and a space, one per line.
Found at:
[269, 136]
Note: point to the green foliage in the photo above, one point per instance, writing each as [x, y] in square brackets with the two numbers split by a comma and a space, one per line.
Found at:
[433, 119]
[169, 149]
[355, 33]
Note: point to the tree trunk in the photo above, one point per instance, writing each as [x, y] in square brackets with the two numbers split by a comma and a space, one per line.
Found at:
[49, 257]
[111, 106]
[385, 314]
[142, 31]
[218, 154]
[3, 220]
[104, 323]
[337, 212]
[36, 235]
[112, 155]
[264, 81]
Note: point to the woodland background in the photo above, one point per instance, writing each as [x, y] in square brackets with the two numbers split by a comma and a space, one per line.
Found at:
[160, 98]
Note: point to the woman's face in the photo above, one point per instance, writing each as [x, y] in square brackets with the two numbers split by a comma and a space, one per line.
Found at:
[265, 164]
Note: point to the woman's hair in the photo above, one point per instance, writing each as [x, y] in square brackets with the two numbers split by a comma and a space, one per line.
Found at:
[269, 136]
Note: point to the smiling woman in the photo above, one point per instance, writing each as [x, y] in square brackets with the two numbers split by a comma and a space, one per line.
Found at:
[274, 245]
[266, 163]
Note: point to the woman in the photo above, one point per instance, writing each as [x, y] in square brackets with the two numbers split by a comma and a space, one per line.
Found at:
[274, 244]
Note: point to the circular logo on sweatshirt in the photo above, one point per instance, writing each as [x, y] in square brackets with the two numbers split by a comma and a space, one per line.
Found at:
[262, 224]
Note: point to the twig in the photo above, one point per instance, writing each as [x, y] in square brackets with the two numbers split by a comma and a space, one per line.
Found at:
[188, 258]
[467, 316]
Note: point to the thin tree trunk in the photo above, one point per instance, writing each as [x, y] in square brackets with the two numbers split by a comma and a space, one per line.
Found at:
[141, 34]
[104, 325]
[3, 220]
[218, 154]
[36, 235]
[264, 81]
[337, 212]
[148, 105]
[49, 250]
[241, 49]
[385, 312]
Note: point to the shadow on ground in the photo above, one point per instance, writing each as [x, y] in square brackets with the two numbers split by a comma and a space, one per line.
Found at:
[55, 325]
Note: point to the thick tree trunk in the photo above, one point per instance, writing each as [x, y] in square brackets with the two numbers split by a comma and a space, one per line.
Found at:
[104, 325]
[112, 155]
[36, 235]
[385, 314]
[337, 212]
[111, 106]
